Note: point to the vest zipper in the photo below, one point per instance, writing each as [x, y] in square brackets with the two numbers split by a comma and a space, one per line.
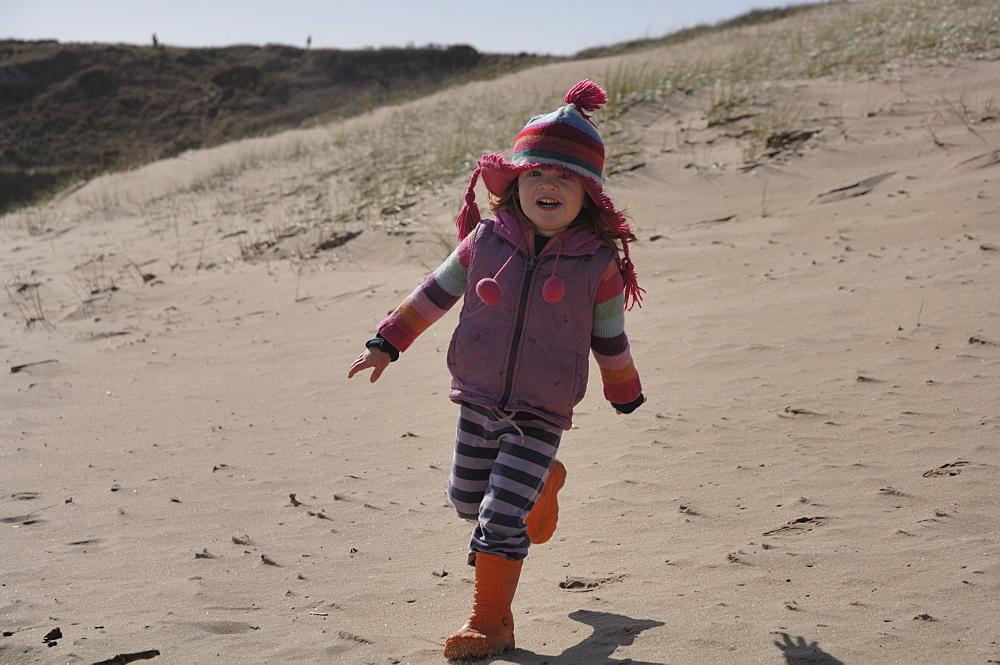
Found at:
[515, 342]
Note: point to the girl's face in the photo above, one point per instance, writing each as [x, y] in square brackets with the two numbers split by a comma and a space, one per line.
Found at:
[550, 199]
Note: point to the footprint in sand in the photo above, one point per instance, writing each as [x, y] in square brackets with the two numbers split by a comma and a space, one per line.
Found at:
[950, 469]
[800, 525]
[588, 583]
[351, 637]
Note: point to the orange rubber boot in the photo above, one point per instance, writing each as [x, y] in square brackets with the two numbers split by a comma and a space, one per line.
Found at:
[490, 628]
[542, 519]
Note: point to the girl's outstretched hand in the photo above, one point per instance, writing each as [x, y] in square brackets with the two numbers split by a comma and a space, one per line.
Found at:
[374, 358]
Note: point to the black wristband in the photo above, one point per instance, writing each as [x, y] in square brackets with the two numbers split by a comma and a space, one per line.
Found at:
[631, 406]
[383, 345]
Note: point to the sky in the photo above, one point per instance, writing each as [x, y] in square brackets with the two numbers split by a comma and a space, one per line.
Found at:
[555, 27]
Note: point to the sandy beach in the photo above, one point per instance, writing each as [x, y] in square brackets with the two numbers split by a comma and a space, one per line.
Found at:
[185, 468]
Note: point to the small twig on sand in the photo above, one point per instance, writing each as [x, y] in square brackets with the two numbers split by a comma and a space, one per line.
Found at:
[124, 658]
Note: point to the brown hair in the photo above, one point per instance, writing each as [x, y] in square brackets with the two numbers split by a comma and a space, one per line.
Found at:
[600, 222]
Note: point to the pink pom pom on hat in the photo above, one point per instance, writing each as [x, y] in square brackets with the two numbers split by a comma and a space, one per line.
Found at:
[567, 140]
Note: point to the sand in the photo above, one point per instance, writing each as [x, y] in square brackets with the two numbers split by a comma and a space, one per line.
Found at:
[186, 473]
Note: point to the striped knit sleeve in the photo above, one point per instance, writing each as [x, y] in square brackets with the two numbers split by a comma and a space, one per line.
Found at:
[609, 342]
[429, 301]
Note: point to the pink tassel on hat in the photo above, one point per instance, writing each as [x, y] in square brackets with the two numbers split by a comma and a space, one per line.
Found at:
[633, 292]
[586, 96]
[469, 217]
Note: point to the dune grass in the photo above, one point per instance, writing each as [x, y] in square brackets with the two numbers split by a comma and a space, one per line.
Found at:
[863, 38]
[24, 293]
[867, 39]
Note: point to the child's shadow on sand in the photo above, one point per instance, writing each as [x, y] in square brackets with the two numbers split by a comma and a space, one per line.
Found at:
[616, 630]
[610, 632]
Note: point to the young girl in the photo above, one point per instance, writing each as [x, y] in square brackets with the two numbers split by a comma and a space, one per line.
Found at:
[543, 287]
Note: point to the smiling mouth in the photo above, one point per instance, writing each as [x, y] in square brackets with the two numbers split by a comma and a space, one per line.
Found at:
[547, 204]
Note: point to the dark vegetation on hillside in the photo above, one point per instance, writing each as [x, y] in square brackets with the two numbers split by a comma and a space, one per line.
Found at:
[69, 111]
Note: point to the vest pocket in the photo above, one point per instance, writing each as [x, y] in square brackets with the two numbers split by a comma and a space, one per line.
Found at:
[475, 363]
[552, 381]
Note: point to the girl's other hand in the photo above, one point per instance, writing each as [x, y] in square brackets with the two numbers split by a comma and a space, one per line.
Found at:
[374, 358]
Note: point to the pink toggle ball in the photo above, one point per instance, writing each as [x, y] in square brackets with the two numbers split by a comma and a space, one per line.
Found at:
[488, 290]
[553, 289]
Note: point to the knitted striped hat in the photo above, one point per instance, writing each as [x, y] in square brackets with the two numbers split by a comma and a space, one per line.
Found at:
[566, 140]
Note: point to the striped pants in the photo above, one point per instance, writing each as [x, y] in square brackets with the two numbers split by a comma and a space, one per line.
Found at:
[500, 465]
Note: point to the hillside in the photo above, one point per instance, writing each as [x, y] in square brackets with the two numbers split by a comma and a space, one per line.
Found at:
[74, 110]
[71, 111]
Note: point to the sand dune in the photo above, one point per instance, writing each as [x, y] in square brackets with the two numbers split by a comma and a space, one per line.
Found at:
[185, 469]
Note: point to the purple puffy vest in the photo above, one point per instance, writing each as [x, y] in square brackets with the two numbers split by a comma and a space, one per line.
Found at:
[525, 354]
